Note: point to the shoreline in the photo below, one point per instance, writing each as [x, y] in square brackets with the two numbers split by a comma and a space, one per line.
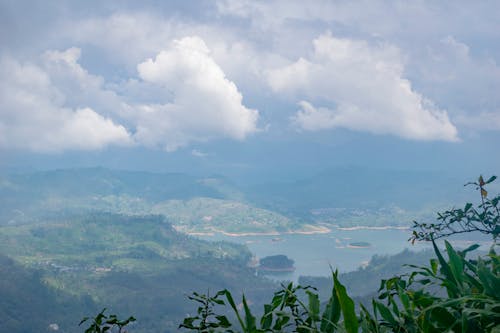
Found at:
[276, 270]
[357, 247]
[362, 227]
[311, 230]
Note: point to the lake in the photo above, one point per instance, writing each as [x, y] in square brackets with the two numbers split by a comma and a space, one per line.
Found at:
[314, 254]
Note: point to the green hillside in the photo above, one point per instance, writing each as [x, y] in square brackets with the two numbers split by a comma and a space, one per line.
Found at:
[345, 197]
[138, 265]
[209, 215]
[192, 204]
[27, 304]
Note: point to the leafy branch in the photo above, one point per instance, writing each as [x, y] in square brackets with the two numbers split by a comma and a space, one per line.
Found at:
[485, 218]
[102, 323]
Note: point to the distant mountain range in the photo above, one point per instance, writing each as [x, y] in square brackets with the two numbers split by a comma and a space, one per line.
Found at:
[30, 194]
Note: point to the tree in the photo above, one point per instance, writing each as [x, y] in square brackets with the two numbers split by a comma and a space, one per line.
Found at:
[485, 218]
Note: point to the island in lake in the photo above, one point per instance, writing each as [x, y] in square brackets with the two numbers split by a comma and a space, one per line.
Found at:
[276, 263]
[358, 245]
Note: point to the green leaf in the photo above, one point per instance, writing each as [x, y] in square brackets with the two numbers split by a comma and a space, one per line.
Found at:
[313, 307]
[386, 314]
[456, 264]
[446, 270]
[83, 320]
[223, 321]
[331, 315]
[249, 318]
[444, 318]
[347, 306]
[230, 300]
[434, 266]
[491, 179]
[470, 248]
[405, 300]
[490, 281]
[267, 318]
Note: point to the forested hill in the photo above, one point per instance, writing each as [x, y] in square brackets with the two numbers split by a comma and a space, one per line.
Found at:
[197, 204]
[132, 264]
[28, 304]
[335, 193]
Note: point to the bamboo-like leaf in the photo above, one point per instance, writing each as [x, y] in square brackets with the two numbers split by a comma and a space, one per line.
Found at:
[490, 282]
[470, 248]
[405, 300]
[445, 268]
[386, 314]
[331, 315]
[313, 306]
[347, 306]
[444, 318]
[249, 318]
[231, 302]
[456, 264]
[223, 321]
[267, 318]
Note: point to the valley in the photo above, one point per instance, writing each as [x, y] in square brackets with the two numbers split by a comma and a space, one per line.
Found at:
[140, 242]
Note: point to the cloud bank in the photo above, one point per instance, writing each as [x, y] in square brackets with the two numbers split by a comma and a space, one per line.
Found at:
[363, 88]
[33, 115]
[58, 105]
[173, 76]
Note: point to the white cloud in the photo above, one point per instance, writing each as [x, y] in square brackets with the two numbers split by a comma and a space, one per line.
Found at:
[205, 103]
[81, 88]
[383, 81]
[33, 115]
[363, 88]
[59, 105]
[198, 153]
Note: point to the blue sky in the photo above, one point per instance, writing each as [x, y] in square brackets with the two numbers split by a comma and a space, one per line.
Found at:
[262, 87]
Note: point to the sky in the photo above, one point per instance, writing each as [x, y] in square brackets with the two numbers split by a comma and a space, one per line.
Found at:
[261, 88]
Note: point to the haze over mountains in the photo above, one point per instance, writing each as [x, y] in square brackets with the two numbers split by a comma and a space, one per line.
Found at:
[144, 192]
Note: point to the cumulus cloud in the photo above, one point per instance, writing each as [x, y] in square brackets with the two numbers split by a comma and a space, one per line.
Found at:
[363, 88]
[58, 105]
[205, 103]
[33, 115]
[191, 90]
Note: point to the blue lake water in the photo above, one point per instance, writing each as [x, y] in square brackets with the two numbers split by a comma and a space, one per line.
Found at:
[314, 254]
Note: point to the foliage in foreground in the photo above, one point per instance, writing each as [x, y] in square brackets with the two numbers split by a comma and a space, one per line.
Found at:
[103, 323]
[452, 294]
[485, 218]
[449, 295]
